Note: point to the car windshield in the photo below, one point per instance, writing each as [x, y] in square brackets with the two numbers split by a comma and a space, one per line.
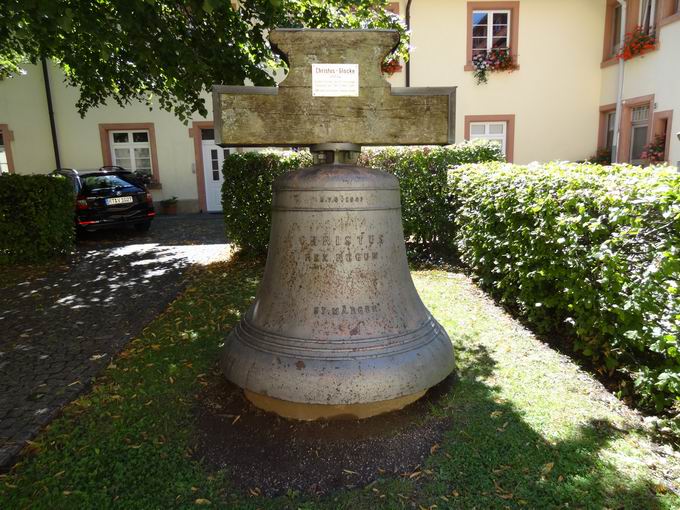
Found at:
[94, 183]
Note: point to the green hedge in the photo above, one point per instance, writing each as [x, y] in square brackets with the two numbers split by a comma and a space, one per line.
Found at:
[425, 206]
[594, 248]
[36, 218]
[247, 194]
[426, 213]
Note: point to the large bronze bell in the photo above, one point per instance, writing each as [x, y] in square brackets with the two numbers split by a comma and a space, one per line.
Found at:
[337, 327]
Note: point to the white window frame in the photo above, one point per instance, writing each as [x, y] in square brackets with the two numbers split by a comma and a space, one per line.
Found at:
[4, 163]
[610, 127]
[616, 29]
[651, 6]
[489, 33]
[637, 123]
[502, 138]
[131, 145]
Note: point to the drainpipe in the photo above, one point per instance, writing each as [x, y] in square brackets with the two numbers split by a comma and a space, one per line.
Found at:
[50, 111]
[408, 27]
[619, 97]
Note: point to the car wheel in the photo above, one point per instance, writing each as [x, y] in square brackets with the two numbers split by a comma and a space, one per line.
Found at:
[142, 227]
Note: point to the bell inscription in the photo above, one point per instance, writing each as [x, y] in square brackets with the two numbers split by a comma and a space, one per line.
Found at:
[337, 327]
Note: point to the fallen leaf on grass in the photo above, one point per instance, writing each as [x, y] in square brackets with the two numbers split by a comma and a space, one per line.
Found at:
[434, 448]
[496, 414]
[501, 492]
[547, 468]
[660, 488]
[203, 501]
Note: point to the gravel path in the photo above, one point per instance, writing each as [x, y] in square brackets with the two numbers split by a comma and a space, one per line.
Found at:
[61, 324]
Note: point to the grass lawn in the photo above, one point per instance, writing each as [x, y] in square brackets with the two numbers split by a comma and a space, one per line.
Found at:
[529, 429]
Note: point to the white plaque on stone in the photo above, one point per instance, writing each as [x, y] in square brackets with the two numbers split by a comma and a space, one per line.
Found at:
[335, 80]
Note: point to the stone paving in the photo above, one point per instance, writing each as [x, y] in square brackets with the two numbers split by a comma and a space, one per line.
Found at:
[60, 325]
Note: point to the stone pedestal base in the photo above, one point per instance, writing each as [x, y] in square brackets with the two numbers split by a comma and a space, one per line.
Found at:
[311, 412]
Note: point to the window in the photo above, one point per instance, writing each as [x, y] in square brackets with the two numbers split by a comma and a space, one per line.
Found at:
[490, 30]
[639, 133]
[610, 121]
[215, 162]
[131, 150]
[615, 43]
[96, 183]
[611, 128]
[492, 25]
[492, 131]
[131, 146]
[495, 128]
[4, 165]
[661, 128]
[648, 10]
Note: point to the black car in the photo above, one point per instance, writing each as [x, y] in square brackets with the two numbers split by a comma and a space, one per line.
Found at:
[110, 197]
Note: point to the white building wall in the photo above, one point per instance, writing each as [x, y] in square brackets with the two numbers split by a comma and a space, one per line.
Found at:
[554, 94]
[24, 108]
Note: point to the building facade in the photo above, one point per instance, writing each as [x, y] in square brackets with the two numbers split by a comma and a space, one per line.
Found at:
[558, 104]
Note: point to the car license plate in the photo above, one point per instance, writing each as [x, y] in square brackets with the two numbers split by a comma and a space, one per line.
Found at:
[118, 200]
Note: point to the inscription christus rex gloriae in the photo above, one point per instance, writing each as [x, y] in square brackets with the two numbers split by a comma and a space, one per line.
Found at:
[341, 248]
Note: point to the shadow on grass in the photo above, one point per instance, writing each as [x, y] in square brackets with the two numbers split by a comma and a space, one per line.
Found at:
[493, 458]
[126, 442]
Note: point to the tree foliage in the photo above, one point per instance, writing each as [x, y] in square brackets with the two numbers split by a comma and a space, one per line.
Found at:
[165, 51]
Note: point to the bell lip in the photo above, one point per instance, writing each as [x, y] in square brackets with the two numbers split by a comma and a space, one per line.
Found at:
[313, 412]
[338, 381]
[337, 177]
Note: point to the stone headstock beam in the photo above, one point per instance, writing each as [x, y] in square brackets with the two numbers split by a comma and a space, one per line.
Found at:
[289, 115]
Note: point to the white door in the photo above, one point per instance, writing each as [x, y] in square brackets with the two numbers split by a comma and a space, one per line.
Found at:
[213, 158]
